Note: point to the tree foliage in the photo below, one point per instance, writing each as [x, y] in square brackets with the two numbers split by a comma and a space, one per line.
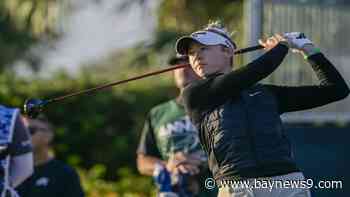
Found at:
[23, 22]
[180, 17]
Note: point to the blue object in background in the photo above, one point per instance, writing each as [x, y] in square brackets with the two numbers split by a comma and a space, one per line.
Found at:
[162, 179]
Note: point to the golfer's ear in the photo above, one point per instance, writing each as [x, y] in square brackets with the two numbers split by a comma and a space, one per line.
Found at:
[228, 52]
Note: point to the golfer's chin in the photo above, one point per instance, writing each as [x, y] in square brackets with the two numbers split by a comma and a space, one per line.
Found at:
[201, 73]
[206, 74]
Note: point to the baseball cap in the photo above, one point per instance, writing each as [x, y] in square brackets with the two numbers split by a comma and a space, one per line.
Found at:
[208, 36]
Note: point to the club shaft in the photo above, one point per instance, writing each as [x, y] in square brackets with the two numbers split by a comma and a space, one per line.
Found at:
[91, 90]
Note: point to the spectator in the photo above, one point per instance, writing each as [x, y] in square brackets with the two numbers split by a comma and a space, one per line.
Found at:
[51, 177]
[170, 141]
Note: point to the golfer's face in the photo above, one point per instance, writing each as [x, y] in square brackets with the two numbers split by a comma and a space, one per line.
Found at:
[206, 60]
[184, 76]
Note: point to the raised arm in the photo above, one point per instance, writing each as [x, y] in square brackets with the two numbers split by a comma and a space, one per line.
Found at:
[220, 87]
[332, 87]
[245, 77]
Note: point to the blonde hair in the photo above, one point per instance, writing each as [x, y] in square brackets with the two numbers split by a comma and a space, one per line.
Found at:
[218, 24]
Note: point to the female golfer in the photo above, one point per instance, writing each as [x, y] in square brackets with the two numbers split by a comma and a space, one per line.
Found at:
[239, 119]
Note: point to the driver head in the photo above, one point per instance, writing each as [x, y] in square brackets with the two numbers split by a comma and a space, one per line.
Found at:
[33, 107]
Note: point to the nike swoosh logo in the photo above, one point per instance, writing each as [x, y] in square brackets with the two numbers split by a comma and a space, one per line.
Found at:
[255, 93]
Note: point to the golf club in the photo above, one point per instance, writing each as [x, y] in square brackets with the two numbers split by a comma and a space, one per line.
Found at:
[33, 107]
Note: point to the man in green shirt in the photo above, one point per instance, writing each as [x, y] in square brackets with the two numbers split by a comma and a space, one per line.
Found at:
[170, 140]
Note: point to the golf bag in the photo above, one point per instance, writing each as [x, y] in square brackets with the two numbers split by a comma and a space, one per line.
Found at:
[7, 124]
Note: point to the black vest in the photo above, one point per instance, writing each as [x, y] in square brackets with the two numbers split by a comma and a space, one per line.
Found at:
[244, 137]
